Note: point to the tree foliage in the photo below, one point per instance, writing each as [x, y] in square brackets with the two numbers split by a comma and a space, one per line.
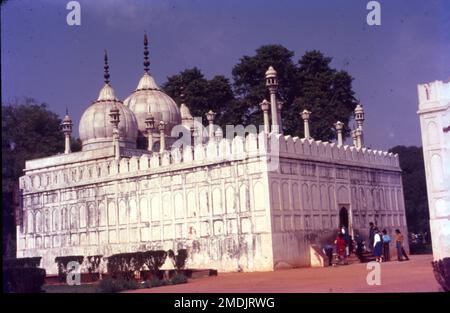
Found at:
[310, 84]
[414, 187]
[202, 95]
[29, 131]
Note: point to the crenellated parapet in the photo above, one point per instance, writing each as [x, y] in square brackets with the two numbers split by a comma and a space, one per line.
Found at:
[296, 147]
[214, 152]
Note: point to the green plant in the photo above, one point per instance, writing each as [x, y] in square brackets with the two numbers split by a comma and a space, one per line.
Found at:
[179, 279]
[147, 284]
[130, 284]
[93, 264]
[154, 259]
[155, 282]
[180, 259]
[111, 285]
[126, 264]
[62, 262]
[22, 262]
[23, 280]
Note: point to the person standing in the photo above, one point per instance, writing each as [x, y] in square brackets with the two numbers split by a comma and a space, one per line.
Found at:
[371, 236]
[328, 250]
[346, 236]
[340, 248]
[386, 244]
[399, 244]
[377, 245]
[359, 246]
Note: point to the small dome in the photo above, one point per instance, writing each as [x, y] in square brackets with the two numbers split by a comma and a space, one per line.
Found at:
[185, 112]
[95, 127]
[149, 98]
[271, 72]
[67, 119]
[359, 109]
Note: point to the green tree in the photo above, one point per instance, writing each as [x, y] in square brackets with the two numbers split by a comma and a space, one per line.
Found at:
[324, 91]
[202, 95]
[310, 84]
[414, 187]
[29, 131]
[250, 86]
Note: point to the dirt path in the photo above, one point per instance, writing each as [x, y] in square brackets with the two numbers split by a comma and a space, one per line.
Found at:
[415, 275]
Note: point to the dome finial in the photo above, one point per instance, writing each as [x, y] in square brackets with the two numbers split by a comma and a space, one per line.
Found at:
[106, 67]
[146, 59]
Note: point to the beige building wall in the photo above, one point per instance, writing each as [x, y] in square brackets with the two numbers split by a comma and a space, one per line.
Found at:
[434, 114]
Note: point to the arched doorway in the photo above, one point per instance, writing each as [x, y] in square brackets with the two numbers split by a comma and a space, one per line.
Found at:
[343, 217]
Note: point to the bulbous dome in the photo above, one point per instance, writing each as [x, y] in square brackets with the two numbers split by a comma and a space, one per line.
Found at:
[149, 98]
[96, 129]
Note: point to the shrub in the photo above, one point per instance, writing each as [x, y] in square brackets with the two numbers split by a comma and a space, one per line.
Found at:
[93, 265]
[180, 259]
[155, 282]
[130, 284]
[22, 262]
[179, 279]
[62, 262]
[111, 285]
[147, 284]
[23, 279]
[154, 259]
[124, 265]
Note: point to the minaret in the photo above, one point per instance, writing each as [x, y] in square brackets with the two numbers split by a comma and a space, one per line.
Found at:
[150, 126]
[114, 114]
[66, 127]
[272, 84]
[162, 137]
[193, 130]
[358, 134]
[279, 108]
[265, 108]
[115, 120]
[339, 126]
[146, 58]
[210, 117]
[359, 118]
[305, 116]
[354, 138]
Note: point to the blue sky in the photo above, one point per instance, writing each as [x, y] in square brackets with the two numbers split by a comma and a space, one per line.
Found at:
[44, 58]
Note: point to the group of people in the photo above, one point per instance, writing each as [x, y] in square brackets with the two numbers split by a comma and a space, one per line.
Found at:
[379, 245]
[379, 242]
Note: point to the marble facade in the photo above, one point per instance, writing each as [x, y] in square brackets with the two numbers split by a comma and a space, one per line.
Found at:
[434, 113]
[221, 200]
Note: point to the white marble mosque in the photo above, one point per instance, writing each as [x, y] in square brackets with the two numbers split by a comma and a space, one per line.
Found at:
[252, 203]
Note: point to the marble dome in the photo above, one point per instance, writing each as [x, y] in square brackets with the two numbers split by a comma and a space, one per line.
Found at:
[95, 128]
[148, 97]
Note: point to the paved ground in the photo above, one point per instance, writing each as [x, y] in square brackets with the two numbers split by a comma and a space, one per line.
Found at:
[415, 275]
